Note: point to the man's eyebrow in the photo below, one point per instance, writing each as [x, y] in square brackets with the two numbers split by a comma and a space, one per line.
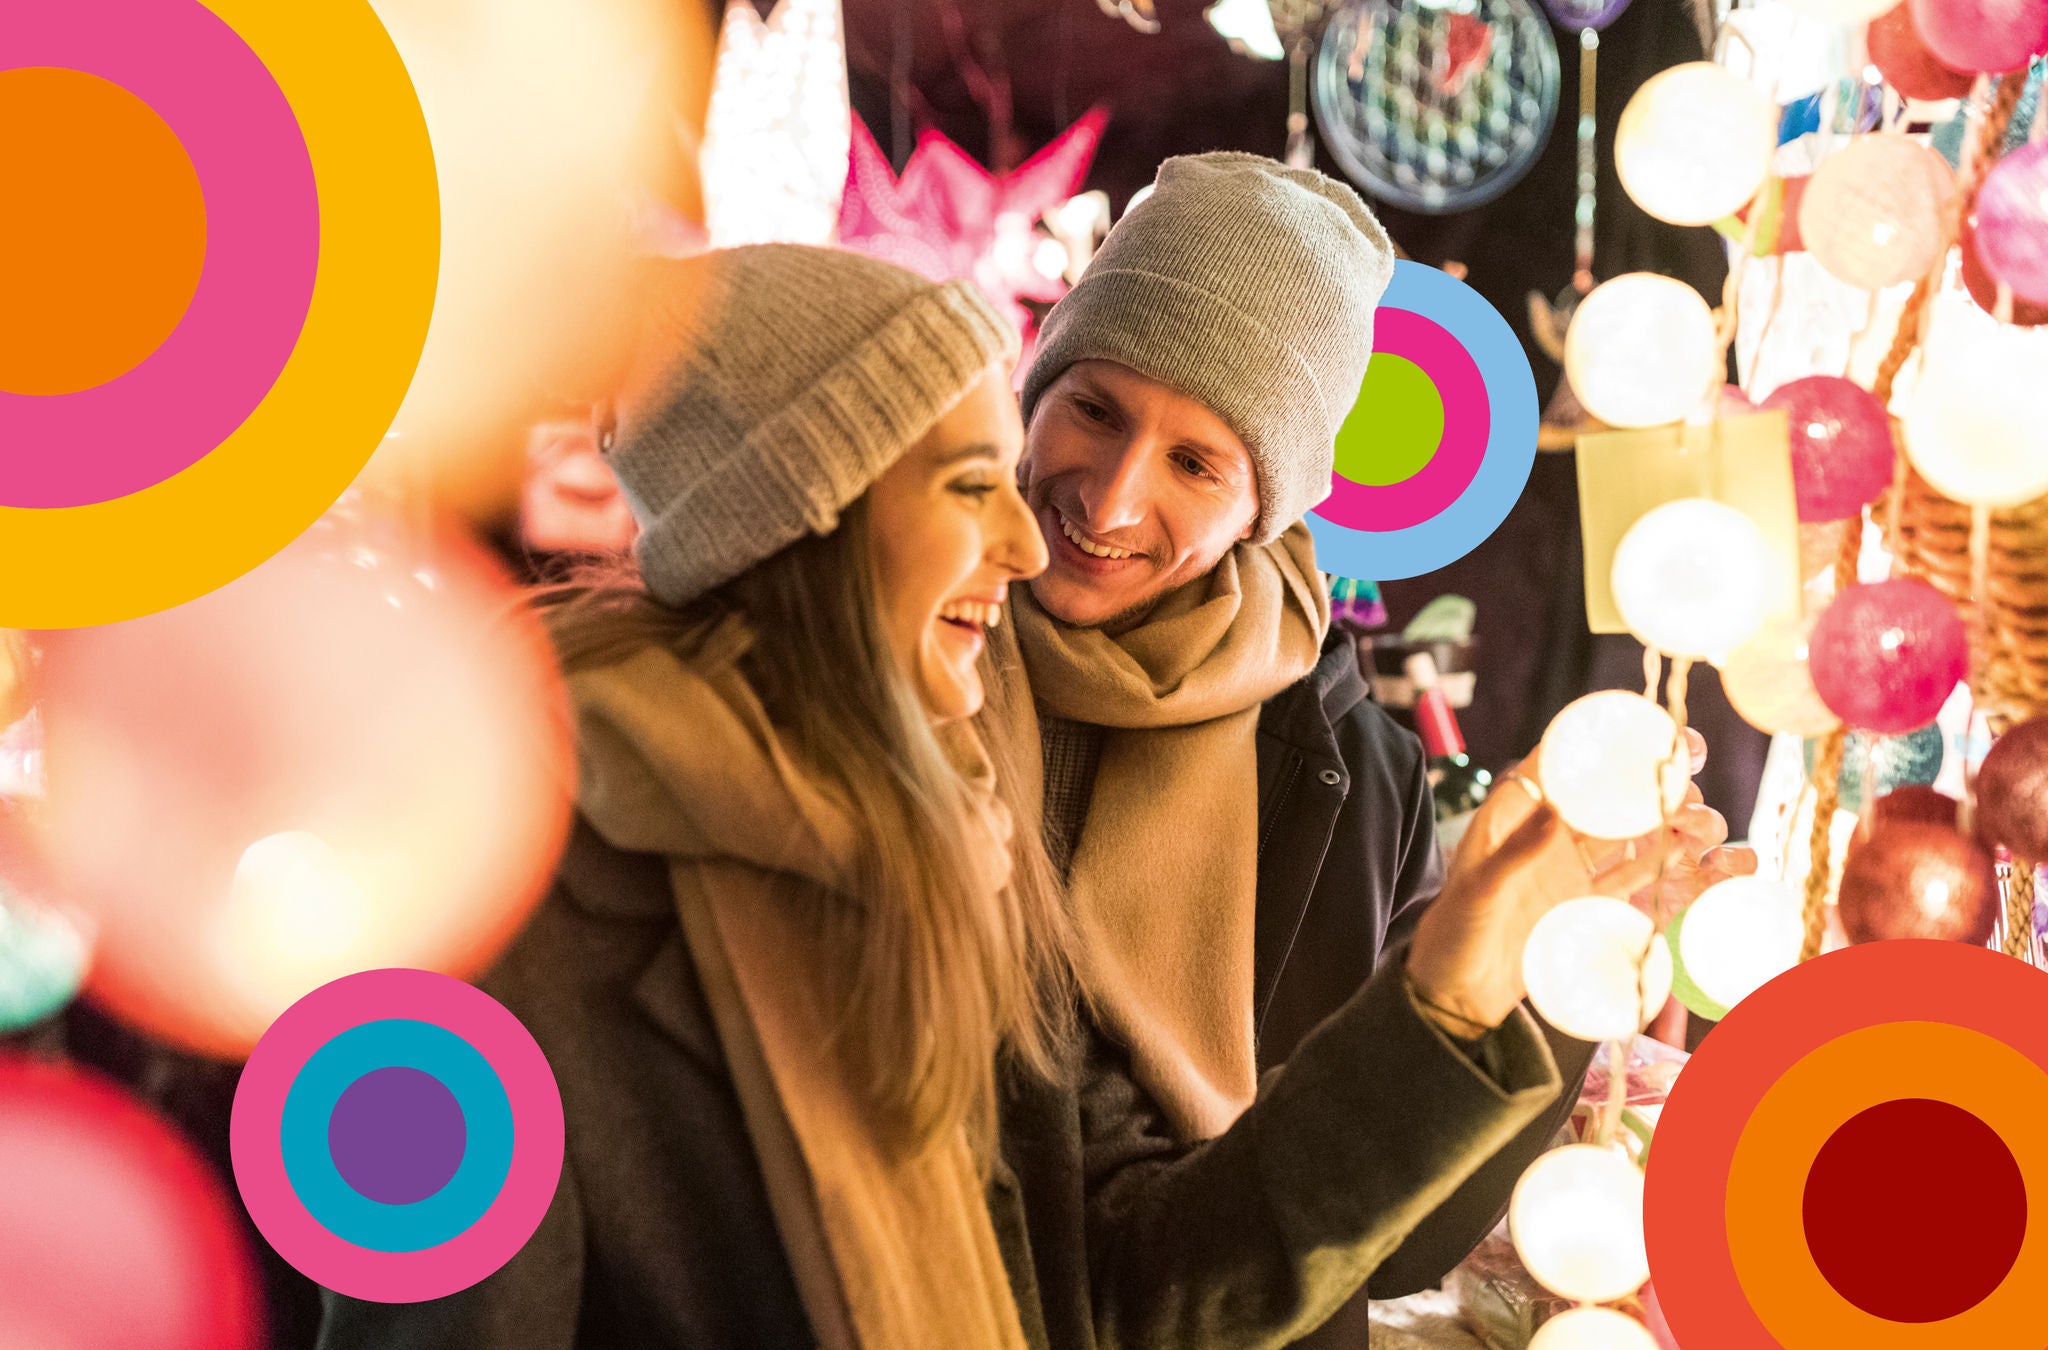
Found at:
[1095, 393]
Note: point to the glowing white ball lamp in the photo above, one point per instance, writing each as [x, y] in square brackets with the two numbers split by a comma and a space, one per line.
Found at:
[1593, 1329]
[1613, 765]
[1595, 969]
[1977, 427]
[1642, 351]
[1577, 1222]
[1695, 143]
[1693, 578]
[1740, 935]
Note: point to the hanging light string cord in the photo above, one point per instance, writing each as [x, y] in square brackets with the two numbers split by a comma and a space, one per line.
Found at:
[1617, 1051]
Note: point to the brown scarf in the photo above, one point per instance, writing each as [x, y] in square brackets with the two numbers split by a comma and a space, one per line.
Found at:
[1165, 873]
[678, 757]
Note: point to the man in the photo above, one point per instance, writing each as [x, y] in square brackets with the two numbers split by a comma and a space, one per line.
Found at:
[1244, 834]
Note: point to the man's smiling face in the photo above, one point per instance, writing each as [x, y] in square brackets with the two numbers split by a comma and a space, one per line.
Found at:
[1139, 489]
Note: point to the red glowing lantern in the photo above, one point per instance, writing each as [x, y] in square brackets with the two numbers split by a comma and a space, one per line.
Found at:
[1987, 36]
[1984, 290]
[2011, 228]
[1842, 452]
[1914, 879]
[1915, 802]
[2012, 791]
[1886, 656]
[1900, 55]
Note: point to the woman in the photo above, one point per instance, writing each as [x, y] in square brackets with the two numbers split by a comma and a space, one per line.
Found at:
[795, 935]
[803, 982]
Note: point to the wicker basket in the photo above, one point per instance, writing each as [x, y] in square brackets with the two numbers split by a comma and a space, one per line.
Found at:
[1930, 536]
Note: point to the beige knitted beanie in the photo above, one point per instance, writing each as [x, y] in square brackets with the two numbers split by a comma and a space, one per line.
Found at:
[774, 385]
[1250, 287]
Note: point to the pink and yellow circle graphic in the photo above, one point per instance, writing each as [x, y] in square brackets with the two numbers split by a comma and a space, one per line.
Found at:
[217, 275]
[397, 1135]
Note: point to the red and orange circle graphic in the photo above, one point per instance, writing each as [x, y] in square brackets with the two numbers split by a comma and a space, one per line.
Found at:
[1847, 1161]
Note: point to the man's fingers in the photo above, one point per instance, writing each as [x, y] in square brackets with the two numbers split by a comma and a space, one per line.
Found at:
[1624, 879]
[1699, 829]
[1724, 863]
[1537, 829]
[1696, 746]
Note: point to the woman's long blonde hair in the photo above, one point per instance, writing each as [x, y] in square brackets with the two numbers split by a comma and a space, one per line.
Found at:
[944, 984]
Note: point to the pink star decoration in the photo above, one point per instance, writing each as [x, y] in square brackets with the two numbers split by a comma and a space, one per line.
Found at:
[947, 217]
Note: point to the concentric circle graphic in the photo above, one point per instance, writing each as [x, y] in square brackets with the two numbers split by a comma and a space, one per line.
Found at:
[1849, 1157]
[155, 456]
[397, 1135]
[1440, 442]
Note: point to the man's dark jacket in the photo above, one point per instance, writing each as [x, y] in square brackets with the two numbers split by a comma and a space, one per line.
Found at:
[1347, 864]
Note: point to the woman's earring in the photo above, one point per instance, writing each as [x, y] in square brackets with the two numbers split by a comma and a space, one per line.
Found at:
[607, 427]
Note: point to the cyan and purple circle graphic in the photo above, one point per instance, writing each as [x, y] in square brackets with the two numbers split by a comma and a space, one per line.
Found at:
[1441, 441]
[397, 1135]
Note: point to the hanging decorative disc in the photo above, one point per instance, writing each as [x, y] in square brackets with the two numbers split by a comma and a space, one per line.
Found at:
[1437, 105]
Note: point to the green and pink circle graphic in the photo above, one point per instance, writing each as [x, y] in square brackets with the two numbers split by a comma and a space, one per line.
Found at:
[1440, 442]
[397, 1136]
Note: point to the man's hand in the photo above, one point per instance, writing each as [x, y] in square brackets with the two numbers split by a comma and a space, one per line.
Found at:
[1699, 858]
[1518, 860]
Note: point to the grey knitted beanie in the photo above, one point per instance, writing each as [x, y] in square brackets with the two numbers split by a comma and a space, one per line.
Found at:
[1250, 287]
[775, 383]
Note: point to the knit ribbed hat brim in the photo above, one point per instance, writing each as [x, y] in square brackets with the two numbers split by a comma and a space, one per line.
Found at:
[805, 376]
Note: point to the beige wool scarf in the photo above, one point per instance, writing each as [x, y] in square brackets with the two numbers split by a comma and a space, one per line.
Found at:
[676, 756]
[1164, 880]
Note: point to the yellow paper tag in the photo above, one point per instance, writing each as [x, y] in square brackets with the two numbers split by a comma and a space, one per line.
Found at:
[1744, 462]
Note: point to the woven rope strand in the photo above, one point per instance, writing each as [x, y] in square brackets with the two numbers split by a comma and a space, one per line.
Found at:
[2019, 910]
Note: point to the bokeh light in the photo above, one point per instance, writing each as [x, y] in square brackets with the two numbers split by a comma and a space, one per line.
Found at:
[15, 695]
[1641, 351]
[1613, 765]
[1693, 578]
[113, 1232]
[44, 948]
[1577, 1222]
[554, 122]
[356, 756]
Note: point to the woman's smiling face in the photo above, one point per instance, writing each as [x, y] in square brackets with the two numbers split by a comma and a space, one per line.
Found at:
[948, 532]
